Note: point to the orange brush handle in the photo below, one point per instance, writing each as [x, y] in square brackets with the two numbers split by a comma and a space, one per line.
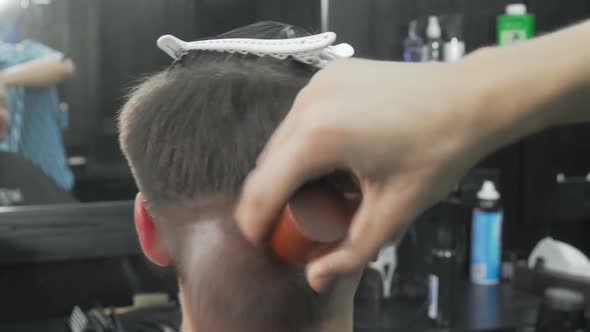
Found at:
[312, 223]
[288, 243]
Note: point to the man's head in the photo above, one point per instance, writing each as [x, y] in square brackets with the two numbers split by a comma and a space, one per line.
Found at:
[191, 134]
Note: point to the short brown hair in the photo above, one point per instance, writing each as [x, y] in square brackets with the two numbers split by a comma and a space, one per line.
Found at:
[196, 128]
[194, 131]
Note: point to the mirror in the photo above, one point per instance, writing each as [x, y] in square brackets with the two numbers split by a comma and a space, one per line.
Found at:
[66, 233]
[60, 139]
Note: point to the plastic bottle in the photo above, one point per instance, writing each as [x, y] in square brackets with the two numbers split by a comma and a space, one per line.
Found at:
[447, 219]
[434, 43]
[516, 25]
[454, 47]
[413, 44]
[454, 50]
[486, 236]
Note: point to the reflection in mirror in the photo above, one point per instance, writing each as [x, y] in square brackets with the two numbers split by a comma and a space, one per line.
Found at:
[64, 68]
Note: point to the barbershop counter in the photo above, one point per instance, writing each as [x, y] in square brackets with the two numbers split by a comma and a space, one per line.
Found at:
[477, 308]
[83, 241]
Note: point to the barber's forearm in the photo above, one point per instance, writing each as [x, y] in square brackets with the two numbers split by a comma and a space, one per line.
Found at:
[38, 73]
[524, 88]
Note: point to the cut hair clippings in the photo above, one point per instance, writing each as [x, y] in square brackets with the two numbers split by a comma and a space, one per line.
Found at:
[316, 50]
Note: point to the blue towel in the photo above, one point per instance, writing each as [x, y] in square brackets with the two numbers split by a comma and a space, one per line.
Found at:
[36, 122]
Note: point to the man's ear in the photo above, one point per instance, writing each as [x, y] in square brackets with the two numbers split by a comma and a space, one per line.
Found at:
[149, 238]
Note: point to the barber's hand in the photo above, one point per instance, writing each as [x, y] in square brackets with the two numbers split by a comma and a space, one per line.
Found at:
[4, 115]
[401, 129]
[3, 122]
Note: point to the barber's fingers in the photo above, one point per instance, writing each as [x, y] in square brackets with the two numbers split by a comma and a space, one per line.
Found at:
[381, 216]
[268, 187]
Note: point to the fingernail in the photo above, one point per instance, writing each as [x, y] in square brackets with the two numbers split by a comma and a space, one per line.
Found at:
[318, 279]
[241, 217]
[321, 284]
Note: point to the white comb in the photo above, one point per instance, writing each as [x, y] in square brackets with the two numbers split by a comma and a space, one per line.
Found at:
[316, 50]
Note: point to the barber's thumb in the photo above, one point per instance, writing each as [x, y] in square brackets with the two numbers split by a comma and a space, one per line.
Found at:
[344, 260]
[368, 231]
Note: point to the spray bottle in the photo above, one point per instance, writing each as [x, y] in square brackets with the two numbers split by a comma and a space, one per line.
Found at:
[413, 44]
[434, 44]
[486, 237]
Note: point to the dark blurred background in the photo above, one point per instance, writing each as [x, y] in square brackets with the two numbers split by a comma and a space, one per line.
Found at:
[112, 43]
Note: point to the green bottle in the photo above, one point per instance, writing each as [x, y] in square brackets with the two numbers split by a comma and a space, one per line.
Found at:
[515, 25]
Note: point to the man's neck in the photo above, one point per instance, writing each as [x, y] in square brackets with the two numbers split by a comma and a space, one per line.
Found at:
[340, 323]
[343, 323]
[336, 326]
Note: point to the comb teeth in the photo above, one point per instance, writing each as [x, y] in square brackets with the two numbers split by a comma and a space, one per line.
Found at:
[315, 50]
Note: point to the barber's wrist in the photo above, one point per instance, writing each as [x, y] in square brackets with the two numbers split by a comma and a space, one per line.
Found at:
[8, 77]
[483, 128]
[503, 98]
[5, 79]
[520, 93]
